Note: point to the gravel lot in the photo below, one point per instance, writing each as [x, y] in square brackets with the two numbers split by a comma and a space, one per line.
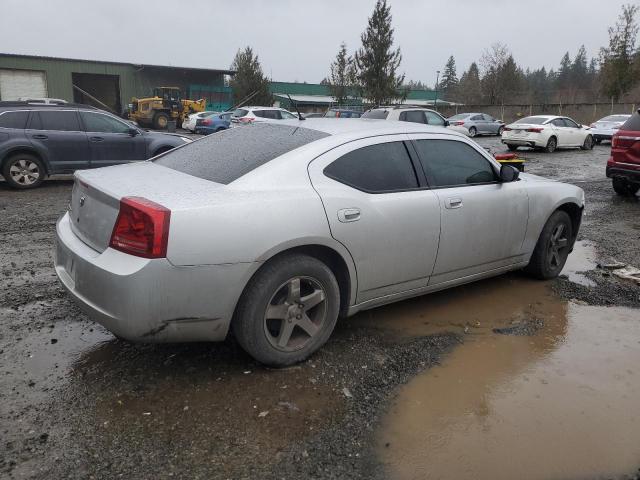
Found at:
[77, 403]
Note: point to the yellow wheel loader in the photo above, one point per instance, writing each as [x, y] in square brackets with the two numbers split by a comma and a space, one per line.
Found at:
[165, 105]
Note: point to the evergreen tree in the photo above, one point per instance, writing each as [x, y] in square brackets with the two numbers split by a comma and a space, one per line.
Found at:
[449, 80]
[376, 61]
[469, 90]
[617, 69]
[342, 75]
[249, 79]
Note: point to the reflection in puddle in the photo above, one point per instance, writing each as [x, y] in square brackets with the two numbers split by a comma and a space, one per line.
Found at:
[582, 259]
[559, 404]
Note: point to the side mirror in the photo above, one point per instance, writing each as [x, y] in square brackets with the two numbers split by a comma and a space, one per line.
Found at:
[133, 132]
[508, 173]
[446, 123]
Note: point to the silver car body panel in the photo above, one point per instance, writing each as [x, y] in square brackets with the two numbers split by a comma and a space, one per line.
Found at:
[404, 244]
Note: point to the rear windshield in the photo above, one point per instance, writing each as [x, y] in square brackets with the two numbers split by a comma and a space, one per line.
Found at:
[330, 113]
[228, 155]
[460, 116]
[533, 120]
[633, 123]
[240, 112]
[379, 114]
[614, 118]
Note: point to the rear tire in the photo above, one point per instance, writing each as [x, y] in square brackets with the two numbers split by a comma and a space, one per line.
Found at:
[160, 121]
[588, 143]
[280, 324]
[553, 247]
[512, 148]
[500, 131]
[23, 171]
[625, 188]
[552, 144]
[598, 141]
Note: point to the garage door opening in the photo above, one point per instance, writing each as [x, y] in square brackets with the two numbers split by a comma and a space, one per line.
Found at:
[16, 84]
[101, 91]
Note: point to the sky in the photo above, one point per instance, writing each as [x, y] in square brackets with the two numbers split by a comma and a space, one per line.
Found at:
[296, 40]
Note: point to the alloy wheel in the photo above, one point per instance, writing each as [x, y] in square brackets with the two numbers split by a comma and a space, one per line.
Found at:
[558, 243]
[295, 314]
[24, 172]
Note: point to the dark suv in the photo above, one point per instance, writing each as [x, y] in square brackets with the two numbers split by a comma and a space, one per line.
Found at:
[37, 140]
[623, 166]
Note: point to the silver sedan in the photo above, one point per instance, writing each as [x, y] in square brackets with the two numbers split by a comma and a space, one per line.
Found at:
[477, 123]
[276, 230]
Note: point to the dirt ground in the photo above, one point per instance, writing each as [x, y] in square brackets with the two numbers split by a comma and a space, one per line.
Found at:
[75, 402]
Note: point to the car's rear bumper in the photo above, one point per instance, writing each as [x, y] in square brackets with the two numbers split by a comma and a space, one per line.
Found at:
[630, 172]
[148, 300]
[523, 142]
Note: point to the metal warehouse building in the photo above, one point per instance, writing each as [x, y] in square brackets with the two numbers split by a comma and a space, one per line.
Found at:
[111, 83]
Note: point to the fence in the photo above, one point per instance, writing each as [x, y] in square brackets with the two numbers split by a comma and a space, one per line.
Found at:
[585, 113]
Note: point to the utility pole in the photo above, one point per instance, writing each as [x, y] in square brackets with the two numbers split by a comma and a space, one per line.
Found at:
[435, 103]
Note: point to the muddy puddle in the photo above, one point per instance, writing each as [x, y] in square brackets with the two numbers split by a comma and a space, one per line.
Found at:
[557, 397]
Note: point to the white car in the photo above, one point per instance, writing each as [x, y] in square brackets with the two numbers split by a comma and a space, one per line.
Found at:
[190, 120]
[605, 128]
[547, 132]
[414, 115]
[261, 114]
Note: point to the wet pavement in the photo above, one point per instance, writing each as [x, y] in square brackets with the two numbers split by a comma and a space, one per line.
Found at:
[504, 378]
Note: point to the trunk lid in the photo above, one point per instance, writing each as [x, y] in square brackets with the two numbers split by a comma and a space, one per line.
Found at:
[625, 147]
[96, 194]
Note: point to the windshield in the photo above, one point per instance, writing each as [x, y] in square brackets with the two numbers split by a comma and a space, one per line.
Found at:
[533, 120]
[228, 155]
[379, 114]
[615, 118]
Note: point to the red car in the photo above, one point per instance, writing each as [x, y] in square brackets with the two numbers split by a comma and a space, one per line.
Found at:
[623, 166]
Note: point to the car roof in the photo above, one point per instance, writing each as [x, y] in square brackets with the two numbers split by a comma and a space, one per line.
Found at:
[21, 105]
[262, 108]
[365, 125]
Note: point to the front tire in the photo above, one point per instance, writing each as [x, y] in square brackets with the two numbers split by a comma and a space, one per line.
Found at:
[288, 310]
[23, 171]
[551, 146]
[160, 121]
[625, 188]
[588, 143]
[553, 247]
[512, 148]
[473, 131]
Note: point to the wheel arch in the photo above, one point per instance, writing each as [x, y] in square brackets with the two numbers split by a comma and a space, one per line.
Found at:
[28, 150]
[575, 214]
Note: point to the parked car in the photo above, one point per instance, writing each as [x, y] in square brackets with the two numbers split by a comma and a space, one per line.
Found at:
[412, 114]
[276, 229]
[41, 140]
[547, 132]
[189, 122]
[342, 113]
[623, 167]
[260, 114]
[606, 127]
[213, 123]
[477, 123]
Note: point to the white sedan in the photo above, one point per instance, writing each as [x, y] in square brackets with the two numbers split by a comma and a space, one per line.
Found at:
[605, 128]
[190, 120]
[547, 132]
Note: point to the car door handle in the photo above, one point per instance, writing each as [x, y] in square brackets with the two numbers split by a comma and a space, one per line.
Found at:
[453, 203]
[40, 137]
[347, 215]
[96, 139]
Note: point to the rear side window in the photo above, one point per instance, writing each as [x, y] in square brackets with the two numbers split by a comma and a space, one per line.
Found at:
[61, 120]
[449, 163]
[272, 114]
[378, 114]
[385, 167]
[331, 114]
[633, 123]
[415, 116]
[98, 122]
[230, 154]
[13, 119]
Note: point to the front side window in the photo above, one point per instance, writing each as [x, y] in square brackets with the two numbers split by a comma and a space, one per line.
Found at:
[385, 167]
[287, 115]
[570, 123]
[488, 118]
[451, 163]
[415, 116]
[558, 122]
[272, 114]
[377, 114]
[13, 119]
[97, 122]
[477, 118]
[61, 120]
[434, 119]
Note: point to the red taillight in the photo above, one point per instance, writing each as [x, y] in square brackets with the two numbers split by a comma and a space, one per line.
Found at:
[534, 130]
[458, 123]
[142, 228]
[614, 141]
[206, 121]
